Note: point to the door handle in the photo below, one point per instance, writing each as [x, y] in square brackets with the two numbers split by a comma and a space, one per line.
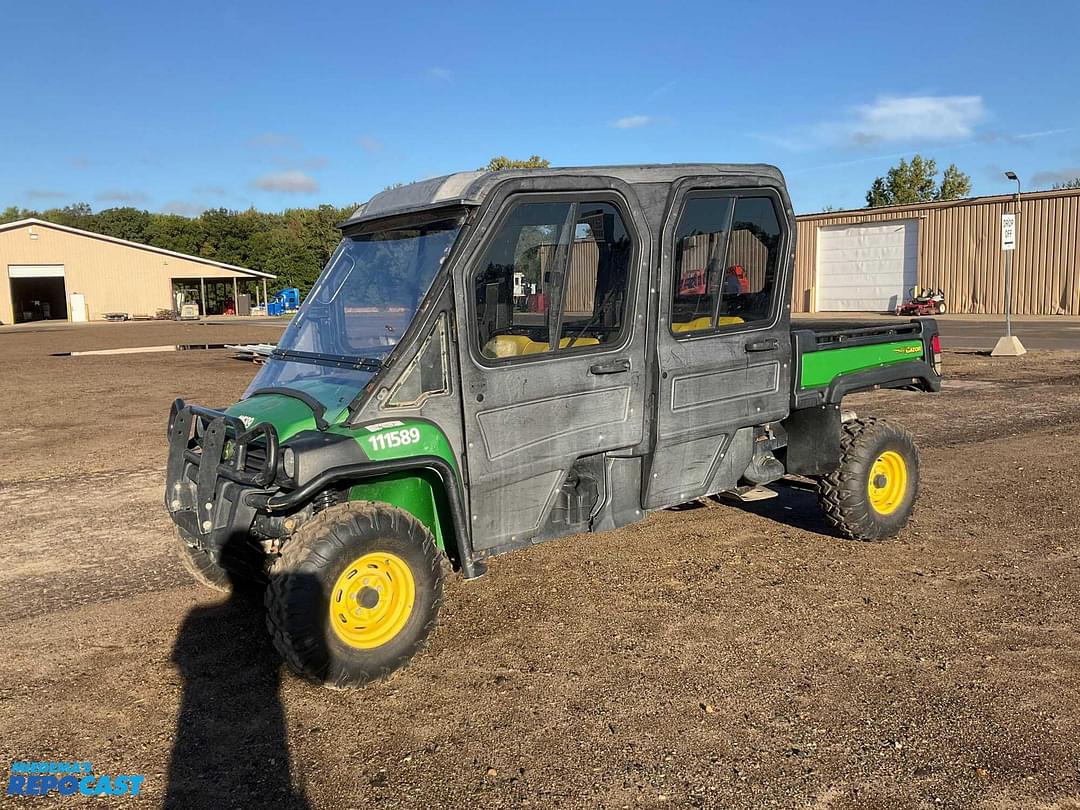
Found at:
[611, 367]
[763, 345]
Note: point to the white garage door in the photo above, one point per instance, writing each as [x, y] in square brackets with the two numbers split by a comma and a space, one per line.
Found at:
[866, 268]
[36, 270]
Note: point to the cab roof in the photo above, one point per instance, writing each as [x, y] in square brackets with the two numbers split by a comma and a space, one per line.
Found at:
[470, 188]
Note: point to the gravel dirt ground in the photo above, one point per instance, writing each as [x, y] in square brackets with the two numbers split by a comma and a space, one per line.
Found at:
[717, 656]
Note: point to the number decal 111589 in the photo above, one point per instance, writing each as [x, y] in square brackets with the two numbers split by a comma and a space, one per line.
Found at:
[390, 439]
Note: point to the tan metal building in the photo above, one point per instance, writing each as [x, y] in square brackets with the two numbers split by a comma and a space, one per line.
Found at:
[868, 259]
[57, 272]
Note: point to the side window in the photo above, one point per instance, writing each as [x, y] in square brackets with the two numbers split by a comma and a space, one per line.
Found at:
[513, 287]
[597, 280]
[727, 254]
[753, 261]
[426, 376]
[553, 269]
[700, 248]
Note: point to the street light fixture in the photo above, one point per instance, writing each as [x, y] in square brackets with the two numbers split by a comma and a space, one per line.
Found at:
[1009, 345]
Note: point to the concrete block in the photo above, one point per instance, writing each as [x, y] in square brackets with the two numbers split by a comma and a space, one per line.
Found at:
[1008, 346]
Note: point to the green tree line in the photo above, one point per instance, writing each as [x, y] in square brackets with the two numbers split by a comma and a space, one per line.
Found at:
[293, 244]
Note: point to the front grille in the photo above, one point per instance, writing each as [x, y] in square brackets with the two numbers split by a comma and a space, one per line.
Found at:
[255, 455]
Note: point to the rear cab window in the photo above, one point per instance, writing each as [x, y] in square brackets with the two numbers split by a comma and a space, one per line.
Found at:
[727, 259]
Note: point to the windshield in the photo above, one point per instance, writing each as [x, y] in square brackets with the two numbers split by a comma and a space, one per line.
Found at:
[357, 311]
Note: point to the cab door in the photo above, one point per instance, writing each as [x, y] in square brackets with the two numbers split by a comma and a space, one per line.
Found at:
[722, 345]
[552, 357]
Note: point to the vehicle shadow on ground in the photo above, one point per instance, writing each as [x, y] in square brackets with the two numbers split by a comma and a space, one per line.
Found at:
[231, 747]
[795, 505]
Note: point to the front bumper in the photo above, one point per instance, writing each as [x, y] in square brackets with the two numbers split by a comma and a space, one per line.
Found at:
[215, 461]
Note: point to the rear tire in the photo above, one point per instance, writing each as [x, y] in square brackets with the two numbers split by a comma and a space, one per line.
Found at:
[872, 494]
[355, 594]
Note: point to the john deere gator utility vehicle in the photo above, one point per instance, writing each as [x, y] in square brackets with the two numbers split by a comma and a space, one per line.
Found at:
[494, 359]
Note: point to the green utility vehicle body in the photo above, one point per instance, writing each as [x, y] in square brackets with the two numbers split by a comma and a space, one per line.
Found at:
[515, 356]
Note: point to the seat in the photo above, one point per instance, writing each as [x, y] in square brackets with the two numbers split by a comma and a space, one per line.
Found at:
[518, 345]
[507, 346]
[537, 347]
[703, 323]
[696, 325]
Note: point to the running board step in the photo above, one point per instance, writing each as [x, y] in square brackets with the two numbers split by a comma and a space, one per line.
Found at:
[747, 494]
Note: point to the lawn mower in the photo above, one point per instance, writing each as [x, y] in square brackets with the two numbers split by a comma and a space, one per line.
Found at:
[928, 302]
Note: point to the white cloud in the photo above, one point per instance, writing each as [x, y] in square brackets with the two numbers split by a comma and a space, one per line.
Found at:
[370, 144]
[290, 182]
[632, 122]
[440, 74]
[663, 89]
[183, 207]
[122, 196]
[309, 164]
[910, 118]
[997, 136]
[891, 119]
[44, 194]
[274, 140]
[1048, 178]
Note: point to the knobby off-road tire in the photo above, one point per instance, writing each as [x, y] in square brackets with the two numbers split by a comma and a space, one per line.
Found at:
[872, 494]
[239, 568]
[355, 594]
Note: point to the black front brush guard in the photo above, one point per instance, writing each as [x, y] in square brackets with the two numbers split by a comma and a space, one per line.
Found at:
[213, 431]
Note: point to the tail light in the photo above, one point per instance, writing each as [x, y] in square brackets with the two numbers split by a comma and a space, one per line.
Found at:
[935, 348]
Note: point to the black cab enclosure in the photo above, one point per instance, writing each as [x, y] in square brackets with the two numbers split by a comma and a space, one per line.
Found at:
[494, 359]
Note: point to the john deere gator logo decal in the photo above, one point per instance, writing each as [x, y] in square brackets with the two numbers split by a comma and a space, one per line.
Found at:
[908, 350]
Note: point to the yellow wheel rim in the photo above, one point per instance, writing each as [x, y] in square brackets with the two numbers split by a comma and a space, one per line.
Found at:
[372, 600]
[888, 482]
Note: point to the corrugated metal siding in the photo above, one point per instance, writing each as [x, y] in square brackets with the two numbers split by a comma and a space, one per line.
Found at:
[580, 290]
[960, 252]
[580, 293]
[744, 249]
[113, 277]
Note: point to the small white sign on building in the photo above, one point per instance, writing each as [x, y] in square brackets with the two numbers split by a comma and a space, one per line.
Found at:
[1008, 231]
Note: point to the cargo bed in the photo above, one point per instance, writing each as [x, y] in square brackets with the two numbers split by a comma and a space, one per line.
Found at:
[834, 358]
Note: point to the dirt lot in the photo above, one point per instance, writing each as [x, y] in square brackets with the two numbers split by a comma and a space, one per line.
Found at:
[718, 657]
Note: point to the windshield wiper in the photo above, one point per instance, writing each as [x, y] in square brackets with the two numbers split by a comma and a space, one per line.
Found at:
[332, 360]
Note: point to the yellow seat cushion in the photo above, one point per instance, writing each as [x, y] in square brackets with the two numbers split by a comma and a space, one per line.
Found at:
[506, 346]
[704, 322]
[517, 345]
[536, 347]
[695, 325]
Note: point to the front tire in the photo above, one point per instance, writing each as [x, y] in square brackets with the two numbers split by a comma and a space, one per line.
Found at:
[355, 594]
[241, 567]
[872, 494]
[199, 566]
[941, 308]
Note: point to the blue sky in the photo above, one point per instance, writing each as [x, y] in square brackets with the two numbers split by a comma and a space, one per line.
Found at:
[183, 106]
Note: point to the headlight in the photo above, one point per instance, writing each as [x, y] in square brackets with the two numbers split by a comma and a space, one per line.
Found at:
[288, 462]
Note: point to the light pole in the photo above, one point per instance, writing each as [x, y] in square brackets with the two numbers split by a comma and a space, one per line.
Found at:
[1009, 345]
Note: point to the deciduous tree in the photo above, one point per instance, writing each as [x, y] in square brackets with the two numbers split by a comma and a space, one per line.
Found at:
[503, 162]
[915, 182]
